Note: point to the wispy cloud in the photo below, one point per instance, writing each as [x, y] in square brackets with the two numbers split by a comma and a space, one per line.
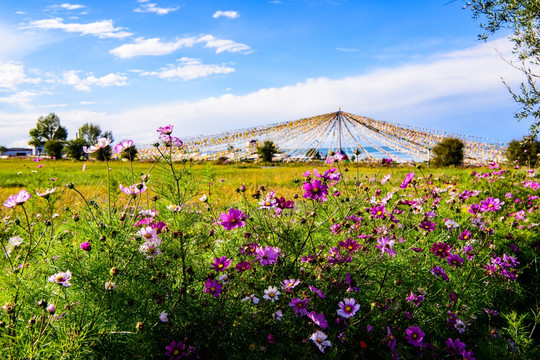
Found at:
[67, 6]
[20, 99]
[346, 49]
[156, 47]
[72, 78]
[227, 14]
[12, 75]
[101, 29]
[146, 7]
[188, 69]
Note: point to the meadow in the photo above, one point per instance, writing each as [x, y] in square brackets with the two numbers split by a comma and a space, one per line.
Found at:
[165, 260]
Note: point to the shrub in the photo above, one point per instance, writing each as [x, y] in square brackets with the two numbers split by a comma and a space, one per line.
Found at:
[524, 152]
[267, 151]
[54, 148]
[449, 151]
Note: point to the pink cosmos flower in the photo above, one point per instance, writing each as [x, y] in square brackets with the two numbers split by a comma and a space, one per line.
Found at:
[46, 193]
[385, 244]
[315, 190]
[61, 278]
[319, 339]
[165, 130]
[133, 190]
[407, 180]
[267, 255]
[101, 144]
[318, 319]
[347, 308]
[299, 306]
[170, 140]
[415, 336]
[213, 287]
[220, 264]
[233, 219]
[122, 146]
[86, 246]
[18, 199]
[289, 284]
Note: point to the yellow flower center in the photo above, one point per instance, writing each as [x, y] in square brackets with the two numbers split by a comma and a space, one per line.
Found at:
[348, 308]
[315, 190]
[233, 220]
[59, 278]
[271, 294]
[212, 289]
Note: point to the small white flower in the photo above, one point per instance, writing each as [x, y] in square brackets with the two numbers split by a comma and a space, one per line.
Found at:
[271, 293]
[163, 317]
[110, 286]
[203, 198]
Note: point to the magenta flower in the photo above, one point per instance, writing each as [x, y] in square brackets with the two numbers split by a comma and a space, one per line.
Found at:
[317, 291]
[441, 249]
[415, 336]
[175, 350]
[407, 180]
[378, 212]
[243, 266]
[267, 255]
[465, 235]
[220, 264]
[347, 308]
[427, 225]
[213, 287]
[18, 199]
[454, 260]
[101, 144]
[315, 190]
[385, 244]
[455, 347]
[289, 284]
[122, 146]
[319, 339]
[299, 306]
[350, 245]
[86, 246]
[233, 219]
[490, 204]
[165, 130]
[168, 140]
[61, 278]
[440, 273]
[133, 190]
[318, 319]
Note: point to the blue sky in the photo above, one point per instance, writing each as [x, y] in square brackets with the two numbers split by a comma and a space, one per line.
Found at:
[211, 66]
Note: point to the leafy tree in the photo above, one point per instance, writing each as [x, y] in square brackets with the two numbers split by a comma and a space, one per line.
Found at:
[74, 149]
[449, 151]
[2, 149]
[130, 153]
[267, 151]
[54, 148]
[47, 128]
[89, 133]
[525, 152]
[313, 153]
[522, 17]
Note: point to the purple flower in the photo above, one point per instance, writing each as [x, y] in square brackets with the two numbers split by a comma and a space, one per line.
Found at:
[350, 245]
[18, 199]
[474, 209]
[315, 190]
[122, 146]
[267, 255]
[243, 266]
[347, 308]
[407, 180]
[455, 347]
[416, 300]
[490, 204]
[213, 287]
[385, 244]
[175, 350]
[165, 130]
[319, 339]
[415, 336]
[465, 235]
[86, 246]
[454, 260]
[220, 264]
[317, 291]
[378, 212]
[427, 225]
[318, 319]
[289, 284]
[441, 249]
[233, 219]
[439, 272]
[51, 309]
[299, 306]
[61, 278]
[390, 339]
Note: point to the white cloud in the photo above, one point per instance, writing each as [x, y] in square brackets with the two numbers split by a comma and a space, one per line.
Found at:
[346, 49]
[53, 106]
[72, 78]
[11, 75]
[88, 103]
[153, 46]
[101, 29]
[188, 69]
[71, 6]
[228, 14]
[156, 47]
[21, 99]
[146, 7]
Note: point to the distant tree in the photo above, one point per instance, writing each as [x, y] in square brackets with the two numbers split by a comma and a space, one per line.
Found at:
[449, 151]
[267, 151]
[522, 18]
[313, 154]
[130, 153]
[2, 149]
[525, 152]
[74, 149]
[47, 128]
[89, 133]
[54, 148]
